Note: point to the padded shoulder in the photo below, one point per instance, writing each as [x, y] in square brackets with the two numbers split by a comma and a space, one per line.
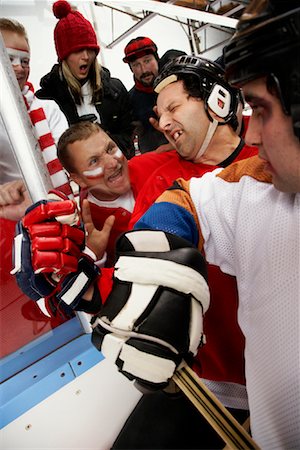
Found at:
[252, 167]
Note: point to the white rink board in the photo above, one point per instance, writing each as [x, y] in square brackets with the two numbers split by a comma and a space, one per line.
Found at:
[87, 413]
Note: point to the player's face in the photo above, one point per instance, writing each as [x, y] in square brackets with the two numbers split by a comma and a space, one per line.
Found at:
[145, 69]
[272, 132]
[182, 119]
[80, 62]
[19, 54]
[100, 166]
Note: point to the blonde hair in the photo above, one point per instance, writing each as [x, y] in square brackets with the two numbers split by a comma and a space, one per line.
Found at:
[94, 77]
[14, 26]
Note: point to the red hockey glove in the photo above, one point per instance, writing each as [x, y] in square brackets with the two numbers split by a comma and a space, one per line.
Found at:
[55, 236]
[48, 244]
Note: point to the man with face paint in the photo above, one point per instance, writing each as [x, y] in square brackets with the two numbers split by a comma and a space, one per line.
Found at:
[107, 179]
[48, 123]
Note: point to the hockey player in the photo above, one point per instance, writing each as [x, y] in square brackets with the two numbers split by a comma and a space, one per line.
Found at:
[246, 217]
[214, 362]
[220, 361]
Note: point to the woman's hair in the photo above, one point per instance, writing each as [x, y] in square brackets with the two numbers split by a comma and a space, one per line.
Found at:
[94, 77]
[14, 26]
[77, 132]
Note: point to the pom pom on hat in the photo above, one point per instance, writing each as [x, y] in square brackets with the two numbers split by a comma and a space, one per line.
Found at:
[61, 9]
[72, 32]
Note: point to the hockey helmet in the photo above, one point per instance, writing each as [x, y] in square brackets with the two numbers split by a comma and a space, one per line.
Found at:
[216, 93]
[267, 42]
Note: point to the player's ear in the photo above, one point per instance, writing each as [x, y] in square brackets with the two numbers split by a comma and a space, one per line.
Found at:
[77, 179]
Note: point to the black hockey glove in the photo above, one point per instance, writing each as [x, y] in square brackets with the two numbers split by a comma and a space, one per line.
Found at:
[152, 319]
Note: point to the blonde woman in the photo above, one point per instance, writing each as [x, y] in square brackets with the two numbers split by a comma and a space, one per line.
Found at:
[80, 86]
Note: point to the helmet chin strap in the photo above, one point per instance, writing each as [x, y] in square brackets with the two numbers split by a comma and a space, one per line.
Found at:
[209, 134]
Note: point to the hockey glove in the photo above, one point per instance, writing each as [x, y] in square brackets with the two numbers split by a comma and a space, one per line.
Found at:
[48, 253]
[152, 319]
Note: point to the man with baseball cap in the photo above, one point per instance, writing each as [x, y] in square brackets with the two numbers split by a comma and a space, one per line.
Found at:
[142, 57]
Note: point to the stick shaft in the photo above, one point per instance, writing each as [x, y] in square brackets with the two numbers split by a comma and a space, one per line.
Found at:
[24, 145]
[233, 434]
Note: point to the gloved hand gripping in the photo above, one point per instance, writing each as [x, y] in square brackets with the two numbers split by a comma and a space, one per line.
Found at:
[48, 253]
[152, 319]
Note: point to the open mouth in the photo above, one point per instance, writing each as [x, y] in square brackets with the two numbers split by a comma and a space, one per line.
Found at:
[115, 176]
[176, 135]
[83, 68]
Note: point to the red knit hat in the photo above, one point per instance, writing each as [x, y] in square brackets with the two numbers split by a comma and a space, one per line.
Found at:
[72, 32]
[139, 47]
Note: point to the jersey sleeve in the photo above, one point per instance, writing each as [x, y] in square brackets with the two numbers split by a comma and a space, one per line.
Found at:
[203, 211]
[173, 212]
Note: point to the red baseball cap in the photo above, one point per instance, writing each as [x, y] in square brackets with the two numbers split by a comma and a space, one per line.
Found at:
[139, 47]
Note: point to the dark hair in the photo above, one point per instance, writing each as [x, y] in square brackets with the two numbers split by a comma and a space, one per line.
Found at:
[191, 85]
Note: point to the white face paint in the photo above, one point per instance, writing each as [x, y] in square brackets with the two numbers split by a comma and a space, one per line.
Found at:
[119, 154]
[94, 173]
[18, 57]
[98, 171]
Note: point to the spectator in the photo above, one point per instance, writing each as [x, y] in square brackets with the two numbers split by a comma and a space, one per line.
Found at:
[48, 124]
[80, 86]
[142, 58]
[44, 114]
[159, 421]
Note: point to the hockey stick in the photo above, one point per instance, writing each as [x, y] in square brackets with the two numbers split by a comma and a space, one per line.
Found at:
[228, 428]
[23, 142]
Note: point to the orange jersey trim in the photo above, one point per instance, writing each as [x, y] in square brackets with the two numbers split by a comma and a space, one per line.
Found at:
[252, 167]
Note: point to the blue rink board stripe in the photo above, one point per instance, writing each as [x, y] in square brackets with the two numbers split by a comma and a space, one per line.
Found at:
[39, 348]
[29, 387]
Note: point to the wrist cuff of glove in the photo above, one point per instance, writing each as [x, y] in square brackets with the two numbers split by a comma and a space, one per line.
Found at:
[99, 262]
[93, 306]
[75, 285]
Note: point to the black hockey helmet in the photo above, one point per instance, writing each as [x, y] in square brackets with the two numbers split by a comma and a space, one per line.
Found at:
[267, 42]
[215, 91]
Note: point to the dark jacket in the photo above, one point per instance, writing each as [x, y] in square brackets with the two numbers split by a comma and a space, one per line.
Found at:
[114, 108]
[142, 104]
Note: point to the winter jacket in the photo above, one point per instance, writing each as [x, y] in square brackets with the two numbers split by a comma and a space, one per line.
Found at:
[142, 104]
[114, 108]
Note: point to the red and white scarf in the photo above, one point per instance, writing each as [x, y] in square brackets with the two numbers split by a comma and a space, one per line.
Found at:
[47, 144]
